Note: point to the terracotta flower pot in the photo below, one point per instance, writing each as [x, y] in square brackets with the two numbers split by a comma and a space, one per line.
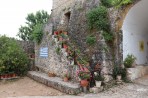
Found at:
[8, 76]
[56, 33]
[2, 76]
[65, 46]
[66, 79]
[60, 38]
[13, 75]
[65, 33]
[84, 83]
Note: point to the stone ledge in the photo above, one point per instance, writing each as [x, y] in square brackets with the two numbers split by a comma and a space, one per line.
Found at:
[55, 82]
[137, 72]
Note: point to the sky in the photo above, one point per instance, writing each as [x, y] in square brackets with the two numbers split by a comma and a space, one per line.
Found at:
[14, 12]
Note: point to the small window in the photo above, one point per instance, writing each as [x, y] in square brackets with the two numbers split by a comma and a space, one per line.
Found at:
[68, 16]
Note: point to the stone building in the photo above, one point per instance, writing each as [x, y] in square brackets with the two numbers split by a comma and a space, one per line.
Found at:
[131, 37]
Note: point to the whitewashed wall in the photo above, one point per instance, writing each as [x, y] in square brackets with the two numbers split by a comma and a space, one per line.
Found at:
[135, 29]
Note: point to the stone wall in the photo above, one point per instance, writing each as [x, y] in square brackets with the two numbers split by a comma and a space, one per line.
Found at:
[77, 31]
[54, 63]
[59, 9]
[27, 46]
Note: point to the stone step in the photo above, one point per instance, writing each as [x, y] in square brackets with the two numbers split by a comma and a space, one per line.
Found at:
[56, 83]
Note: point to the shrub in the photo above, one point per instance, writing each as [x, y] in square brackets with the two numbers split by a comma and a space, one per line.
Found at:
[115, 3]
[90, 40]
[107, 3]
[129, 60]
[98, 18]
[108, 36]
[12, 57]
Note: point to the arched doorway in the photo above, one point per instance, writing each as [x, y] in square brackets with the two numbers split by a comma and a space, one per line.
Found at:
[135, 33]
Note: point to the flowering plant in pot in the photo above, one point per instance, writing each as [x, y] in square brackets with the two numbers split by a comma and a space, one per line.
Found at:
[129, 60]
[83, 76]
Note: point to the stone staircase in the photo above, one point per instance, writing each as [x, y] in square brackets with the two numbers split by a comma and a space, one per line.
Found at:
[56, 83]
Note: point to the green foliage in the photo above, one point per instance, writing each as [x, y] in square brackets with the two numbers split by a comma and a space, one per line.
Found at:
[98, 77]
[83, 75]
[98, 18]
[12, 57]
[26, 32]
[107, 36]
[118, 70]
[58, 50]
[67, 75]
[129, 60]
[38, 33]
[90, 40]
[107, 3]
[115, 3]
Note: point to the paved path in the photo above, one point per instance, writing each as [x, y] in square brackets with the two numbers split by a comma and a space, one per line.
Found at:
[122, 91]
[129, 90]
[143, 80]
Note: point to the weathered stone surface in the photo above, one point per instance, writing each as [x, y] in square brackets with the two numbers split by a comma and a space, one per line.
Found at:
[137, 72]
[55, 82]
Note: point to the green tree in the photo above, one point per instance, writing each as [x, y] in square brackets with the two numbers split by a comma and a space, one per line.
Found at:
[33, 20]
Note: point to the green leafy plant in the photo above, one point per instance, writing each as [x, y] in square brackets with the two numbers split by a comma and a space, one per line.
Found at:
[118, 70]
[38, 33]
[58, 50]
[90, 40]
[124, 2]
[129, 60]
[83, 75]
[98, 78]
[67, 75]
[98, 18]
[12, 57]
[107, 36]
[115, 3]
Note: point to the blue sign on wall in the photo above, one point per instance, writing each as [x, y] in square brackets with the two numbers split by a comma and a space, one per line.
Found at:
[44, 52]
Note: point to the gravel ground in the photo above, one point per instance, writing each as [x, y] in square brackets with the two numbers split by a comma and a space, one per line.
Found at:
[25, 87]
[29, 88]
[128, 90]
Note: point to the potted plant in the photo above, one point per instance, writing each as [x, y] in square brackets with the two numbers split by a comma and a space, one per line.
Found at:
[129, 60]
[129, 65]
[119, 73]
[98, 80]
[66, 77]
[83, 76]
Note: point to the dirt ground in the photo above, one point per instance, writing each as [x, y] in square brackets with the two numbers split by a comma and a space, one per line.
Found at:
[25, 87]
